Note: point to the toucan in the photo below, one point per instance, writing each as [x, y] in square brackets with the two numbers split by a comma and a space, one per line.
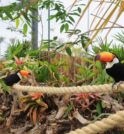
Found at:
[113, 67]
[11, 79]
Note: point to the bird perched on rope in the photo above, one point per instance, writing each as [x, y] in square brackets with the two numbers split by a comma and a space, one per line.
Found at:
[16, 77]
[113, 67]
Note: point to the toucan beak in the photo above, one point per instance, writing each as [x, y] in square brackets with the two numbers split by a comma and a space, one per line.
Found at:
[104, 57]
[25, 73]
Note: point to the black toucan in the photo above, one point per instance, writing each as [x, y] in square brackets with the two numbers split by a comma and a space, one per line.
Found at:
[16, 77]
[114, 67]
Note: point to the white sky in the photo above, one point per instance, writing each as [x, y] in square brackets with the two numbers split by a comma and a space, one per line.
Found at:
[54, 26]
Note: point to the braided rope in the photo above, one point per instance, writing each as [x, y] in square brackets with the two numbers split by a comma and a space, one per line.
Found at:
[63, 90]
[103, 125]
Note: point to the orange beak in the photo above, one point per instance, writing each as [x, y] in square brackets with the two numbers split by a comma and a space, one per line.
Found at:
[25, 73]
[104, 57]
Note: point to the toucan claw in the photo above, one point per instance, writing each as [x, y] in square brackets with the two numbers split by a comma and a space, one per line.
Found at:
[116, 86]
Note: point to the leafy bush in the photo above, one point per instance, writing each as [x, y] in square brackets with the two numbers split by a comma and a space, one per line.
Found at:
[44, 71]
[18, 49]
[93, 73]
[102, 46]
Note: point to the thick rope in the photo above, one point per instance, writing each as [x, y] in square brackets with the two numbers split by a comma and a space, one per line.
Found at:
[103, 125]
[70, 90]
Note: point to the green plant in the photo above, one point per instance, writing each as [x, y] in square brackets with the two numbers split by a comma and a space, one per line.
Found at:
[99, 108]
[18, 49]
[4, 87]
[34, 106]
[92, 73]
[102, 46]
[69, 109]
[100, 76]
[120, 37]
[45, 71]
[85, 74]
[60, 14]
[119, 51]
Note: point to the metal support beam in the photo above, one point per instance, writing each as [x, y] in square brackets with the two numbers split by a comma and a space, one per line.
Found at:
[48, 34]
[48, 29]
[35, 29]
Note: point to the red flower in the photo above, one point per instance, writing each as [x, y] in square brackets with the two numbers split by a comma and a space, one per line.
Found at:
[19, 62]
[36, 96]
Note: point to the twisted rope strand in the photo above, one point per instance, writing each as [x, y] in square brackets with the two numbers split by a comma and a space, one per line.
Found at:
[103, 125]
[63, 90]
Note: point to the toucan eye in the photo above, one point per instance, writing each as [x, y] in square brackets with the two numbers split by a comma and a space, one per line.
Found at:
[97, 57]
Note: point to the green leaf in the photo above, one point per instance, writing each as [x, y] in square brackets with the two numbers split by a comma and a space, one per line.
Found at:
[41, 103]
[71, 18]
[26, 17]
[68, 50]
[17, 22]
[66, 27]
[52, 17]
[62, 28]
[70, 107]
[99, 108]
[58, 47]
[76, 14]
[25, 29]
[8, 15]
[69, 22]
[55, 38]
[79, 9]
